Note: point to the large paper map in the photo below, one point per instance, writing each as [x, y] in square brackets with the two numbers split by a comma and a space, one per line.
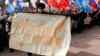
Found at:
[41, 34]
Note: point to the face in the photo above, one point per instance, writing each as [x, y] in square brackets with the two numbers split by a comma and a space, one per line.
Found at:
[41, 10]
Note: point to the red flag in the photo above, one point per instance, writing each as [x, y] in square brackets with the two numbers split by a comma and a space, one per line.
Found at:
[59, 4]
[93, 4]
[98, 0]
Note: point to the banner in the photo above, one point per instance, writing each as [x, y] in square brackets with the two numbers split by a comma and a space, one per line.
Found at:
[86, 6]
[41, 34]
[93, 4]
[79, 4]
[59, 4]
[19, 6]
[83, 5]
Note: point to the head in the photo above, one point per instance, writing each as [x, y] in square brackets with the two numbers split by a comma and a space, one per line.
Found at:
[41, 7]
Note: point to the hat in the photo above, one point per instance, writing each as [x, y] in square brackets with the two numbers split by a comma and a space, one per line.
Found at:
[41, 6]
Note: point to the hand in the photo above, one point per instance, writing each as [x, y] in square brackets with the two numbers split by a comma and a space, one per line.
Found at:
[9, 33]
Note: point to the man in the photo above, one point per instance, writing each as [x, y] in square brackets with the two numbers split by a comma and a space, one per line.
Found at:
[8, 30]
[98, 18]
[74, 19]
[3, 37]
[94, 15]
[80, 26]
[41, 6]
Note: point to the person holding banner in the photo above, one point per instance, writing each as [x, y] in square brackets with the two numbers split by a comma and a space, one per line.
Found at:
[41, 7]
[3, 37]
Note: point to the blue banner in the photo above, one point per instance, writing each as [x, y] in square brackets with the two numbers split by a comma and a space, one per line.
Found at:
[83, 5]
[19, 6]
[86, 6]
[79, 4]
[10, 9]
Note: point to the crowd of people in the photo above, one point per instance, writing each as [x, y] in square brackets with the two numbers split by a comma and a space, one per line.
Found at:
[5, 27]
[81, 20]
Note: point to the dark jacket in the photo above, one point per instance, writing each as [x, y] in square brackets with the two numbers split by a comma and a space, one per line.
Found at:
[3, 37]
